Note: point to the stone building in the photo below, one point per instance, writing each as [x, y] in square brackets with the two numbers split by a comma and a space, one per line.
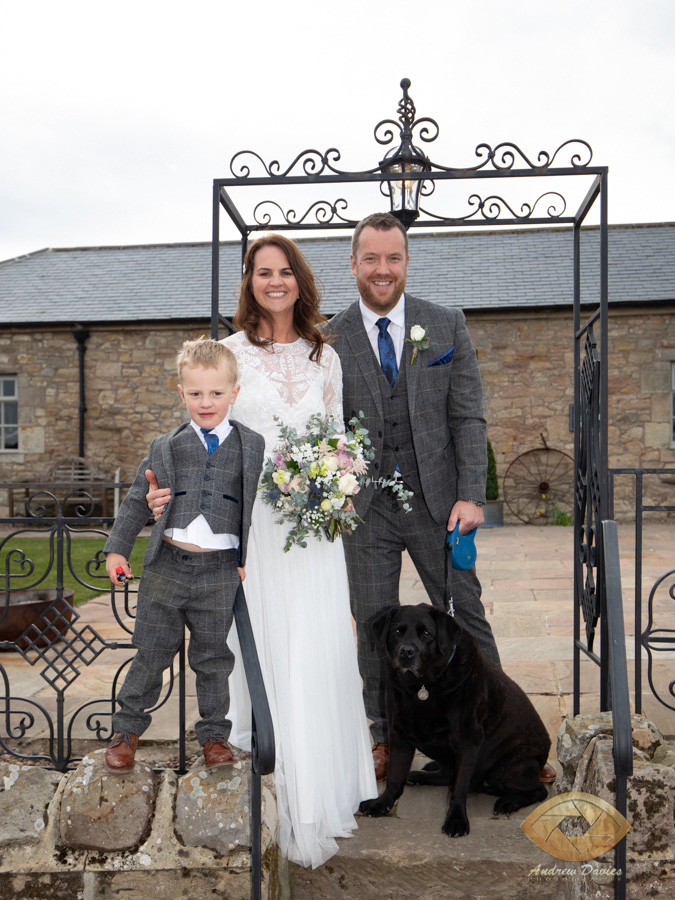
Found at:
[104, 324]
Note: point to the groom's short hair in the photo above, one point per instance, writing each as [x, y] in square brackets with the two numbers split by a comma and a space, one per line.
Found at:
[381, 222]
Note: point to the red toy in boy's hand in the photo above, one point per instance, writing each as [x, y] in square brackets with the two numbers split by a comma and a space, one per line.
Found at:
[121, 577]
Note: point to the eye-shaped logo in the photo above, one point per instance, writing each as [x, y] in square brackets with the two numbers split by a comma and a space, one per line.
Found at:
[575, 826]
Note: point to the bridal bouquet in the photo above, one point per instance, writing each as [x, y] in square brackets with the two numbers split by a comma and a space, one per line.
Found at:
[311, 478]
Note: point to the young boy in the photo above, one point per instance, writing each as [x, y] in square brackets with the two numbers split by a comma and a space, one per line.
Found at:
[191, 568]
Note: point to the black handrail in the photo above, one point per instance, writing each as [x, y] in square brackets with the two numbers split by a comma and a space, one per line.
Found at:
[622, 746]
[262, 734]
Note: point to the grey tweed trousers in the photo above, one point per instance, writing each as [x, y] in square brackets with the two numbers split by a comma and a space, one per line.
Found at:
[181, 589]
[373, 552]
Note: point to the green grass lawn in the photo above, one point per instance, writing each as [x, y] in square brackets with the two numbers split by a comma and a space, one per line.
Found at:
[82, 551]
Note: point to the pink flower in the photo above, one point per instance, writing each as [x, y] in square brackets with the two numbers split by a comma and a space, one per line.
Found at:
[293, 485]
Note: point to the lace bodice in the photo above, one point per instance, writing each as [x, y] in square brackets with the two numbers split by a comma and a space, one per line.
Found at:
[282, 381]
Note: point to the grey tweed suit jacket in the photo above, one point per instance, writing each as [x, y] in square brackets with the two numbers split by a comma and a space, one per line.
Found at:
[134, 512]
[445, 402]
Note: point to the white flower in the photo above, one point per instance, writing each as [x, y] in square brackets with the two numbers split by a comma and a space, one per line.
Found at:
[419, 338]
[347, 484]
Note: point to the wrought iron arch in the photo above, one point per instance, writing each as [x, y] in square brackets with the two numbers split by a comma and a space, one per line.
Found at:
[408, 178]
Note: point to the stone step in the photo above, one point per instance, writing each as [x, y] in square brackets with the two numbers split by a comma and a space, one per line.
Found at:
[406, 856]
[93, 835]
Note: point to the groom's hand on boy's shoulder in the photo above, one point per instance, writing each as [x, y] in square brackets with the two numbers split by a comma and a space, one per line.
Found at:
[157, 497]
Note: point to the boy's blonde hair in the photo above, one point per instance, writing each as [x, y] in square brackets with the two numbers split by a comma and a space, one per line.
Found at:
[209, 354]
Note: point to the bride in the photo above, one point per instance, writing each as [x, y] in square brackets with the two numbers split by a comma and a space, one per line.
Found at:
[298, 601]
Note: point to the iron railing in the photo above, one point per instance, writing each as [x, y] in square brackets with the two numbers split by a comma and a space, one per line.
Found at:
[649, 636]
[607, 612]
[60, 646]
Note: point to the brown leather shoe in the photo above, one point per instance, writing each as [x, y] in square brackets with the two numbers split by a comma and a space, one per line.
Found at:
[381, 760]
[548, 774]
[217, 752]
[119, 757]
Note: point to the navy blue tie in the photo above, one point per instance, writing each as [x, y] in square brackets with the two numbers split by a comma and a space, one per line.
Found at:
[387, 353]
[211, 440]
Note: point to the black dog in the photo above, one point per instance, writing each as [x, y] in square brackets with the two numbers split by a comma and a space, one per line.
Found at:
[458, 708]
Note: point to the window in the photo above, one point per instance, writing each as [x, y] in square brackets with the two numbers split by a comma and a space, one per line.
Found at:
[9, 413]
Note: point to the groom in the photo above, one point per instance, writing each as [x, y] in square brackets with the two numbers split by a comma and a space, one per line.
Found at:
[425, 418]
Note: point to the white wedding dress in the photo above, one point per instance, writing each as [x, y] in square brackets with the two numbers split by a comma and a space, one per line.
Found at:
[299, 608]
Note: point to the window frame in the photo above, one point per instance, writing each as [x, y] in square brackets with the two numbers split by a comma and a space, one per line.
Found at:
[5, 400]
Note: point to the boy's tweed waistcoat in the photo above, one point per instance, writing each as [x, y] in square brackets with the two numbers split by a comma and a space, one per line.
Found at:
[207, 485]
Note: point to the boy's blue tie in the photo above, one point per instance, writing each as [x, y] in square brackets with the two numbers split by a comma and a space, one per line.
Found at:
[211, 440]
[387, 353]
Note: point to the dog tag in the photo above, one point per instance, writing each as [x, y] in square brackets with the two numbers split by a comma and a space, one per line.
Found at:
[423, 693]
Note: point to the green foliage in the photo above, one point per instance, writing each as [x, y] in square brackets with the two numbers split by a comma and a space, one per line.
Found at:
[83, 551]
[492, 483]
[557, 516]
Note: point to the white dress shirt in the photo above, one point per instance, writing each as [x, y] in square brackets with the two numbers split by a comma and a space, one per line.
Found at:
[396, 327]
[199, 531]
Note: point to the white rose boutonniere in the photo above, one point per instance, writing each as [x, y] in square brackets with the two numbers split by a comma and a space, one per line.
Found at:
[419, 338]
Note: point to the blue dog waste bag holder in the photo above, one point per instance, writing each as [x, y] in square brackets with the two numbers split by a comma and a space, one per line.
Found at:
[462, 548]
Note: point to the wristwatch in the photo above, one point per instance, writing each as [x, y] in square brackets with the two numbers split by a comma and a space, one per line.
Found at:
[476, 502]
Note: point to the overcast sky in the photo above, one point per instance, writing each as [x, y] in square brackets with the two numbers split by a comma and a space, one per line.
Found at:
[115, 118]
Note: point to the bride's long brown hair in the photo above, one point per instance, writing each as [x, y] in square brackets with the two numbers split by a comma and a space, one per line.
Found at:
[306, 311]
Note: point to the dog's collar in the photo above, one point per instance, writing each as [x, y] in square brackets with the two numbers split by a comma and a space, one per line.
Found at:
[423, 693]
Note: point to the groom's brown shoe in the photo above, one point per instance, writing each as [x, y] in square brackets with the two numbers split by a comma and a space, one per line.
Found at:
[548, 774]
[381, 760]
[119, 757]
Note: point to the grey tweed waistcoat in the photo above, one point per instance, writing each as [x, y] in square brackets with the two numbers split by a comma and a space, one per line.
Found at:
[207, 485]
[398, 445]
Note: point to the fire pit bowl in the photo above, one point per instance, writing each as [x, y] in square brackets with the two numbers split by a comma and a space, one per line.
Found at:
[30, 607]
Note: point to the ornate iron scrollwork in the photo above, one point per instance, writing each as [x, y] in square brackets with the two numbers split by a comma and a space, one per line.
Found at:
[55, 642]
[324, 213]
[407, 123]
[655, 640]
[502, 157]
[588, 486]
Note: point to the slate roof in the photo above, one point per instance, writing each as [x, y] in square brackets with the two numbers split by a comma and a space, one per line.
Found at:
[475, 270]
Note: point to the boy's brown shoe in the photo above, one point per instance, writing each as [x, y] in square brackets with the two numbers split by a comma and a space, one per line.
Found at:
[119, 757]
[217, 752]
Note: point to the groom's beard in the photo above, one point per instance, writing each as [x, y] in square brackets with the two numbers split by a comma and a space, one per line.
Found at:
[380, 301]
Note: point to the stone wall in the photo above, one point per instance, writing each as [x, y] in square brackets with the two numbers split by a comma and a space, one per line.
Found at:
[586, 757]
[526, 360]
[91, 834]
[130, 394]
